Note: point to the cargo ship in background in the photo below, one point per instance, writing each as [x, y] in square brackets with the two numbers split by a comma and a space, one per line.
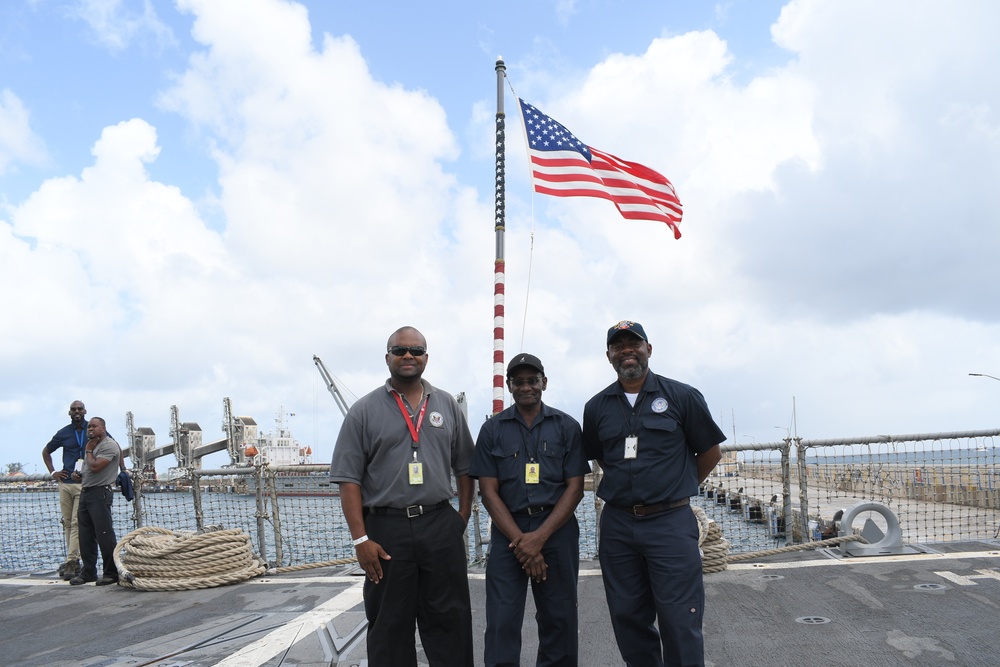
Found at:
[295, 474]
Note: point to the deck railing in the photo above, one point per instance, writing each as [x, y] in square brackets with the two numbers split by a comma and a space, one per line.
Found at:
[943, 487]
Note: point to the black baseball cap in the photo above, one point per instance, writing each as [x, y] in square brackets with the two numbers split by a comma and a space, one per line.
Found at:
[627, 326]
[525, 360]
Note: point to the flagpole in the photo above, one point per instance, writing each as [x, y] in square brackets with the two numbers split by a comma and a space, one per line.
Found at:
[498, 265]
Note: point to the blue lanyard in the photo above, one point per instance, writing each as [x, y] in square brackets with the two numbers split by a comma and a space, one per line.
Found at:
[80, 441]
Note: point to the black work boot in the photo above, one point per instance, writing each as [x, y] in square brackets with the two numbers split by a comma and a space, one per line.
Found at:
[69, 569]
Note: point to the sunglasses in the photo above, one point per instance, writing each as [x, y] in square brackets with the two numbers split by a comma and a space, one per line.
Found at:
[520, 382]
[403, 350]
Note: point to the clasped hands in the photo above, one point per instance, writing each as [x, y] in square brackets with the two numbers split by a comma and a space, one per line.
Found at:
[528, 551]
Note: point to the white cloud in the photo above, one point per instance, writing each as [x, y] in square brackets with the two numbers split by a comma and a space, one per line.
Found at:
[565, 9]
[340, 225]
[18, 142]
[117, 24]
[837, 246]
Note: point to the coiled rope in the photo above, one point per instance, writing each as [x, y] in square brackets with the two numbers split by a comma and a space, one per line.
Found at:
[715, 554]
[714, 548]
[157, 559]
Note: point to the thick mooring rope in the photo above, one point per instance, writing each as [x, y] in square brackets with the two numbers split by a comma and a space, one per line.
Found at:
[310, 566]
[157, 559]
[715, 554]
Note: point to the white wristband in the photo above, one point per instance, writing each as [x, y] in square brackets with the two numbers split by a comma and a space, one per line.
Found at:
[361, 540]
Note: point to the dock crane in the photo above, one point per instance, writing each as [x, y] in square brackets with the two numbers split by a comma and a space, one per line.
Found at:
[331, 385]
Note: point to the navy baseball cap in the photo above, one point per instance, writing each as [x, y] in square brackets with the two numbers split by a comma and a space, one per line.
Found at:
[629, 326]
[525, 360]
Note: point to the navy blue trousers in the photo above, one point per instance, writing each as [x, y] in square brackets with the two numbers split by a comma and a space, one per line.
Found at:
[652, 573]
[425, 584]
[97, 530]
[555, 598]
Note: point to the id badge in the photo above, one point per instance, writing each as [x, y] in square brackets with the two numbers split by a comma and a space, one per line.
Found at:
[531, 473]
[631, 446]
[416, 472]
[79, 466]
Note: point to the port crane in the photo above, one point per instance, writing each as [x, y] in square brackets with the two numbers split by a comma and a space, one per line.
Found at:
[331, 385]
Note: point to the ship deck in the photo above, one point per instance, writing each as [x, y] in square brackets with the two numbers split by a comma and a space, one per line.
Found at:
[937, 607]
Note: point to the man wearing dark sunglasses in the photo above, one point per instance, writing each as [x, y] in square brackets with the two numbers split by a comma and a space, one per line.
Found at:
[656, 441]
[71, 439]
[393, 460]
[530, 465]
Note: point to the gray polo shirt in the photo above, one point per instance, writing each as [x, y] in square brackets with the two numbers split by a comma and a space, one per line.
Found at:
[105, 449]
[374, 449]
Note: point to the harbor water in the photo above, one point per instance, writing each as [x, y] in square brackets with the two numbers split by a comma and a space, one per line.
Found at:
[312, 529]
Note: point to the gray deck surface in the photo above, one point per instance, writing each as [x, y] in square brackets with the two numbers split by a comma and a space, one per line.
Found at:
[934, 609]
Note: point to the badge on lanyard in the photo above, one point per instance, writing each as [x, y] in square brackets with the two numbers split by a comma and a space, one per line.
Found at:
[80, 441]
[631, 446]
[415, 468]
[416, 471]
[531, 474]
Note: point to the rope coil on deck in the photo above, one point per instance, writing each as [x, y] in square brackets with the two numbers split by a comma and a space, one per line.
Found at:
[157, 559]
[714, 549]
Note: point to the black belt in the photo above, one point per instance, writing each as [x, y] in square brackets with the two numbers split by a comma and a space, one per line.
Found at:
[531, 511]
[411, 512]
[646, 510]
[101, 486]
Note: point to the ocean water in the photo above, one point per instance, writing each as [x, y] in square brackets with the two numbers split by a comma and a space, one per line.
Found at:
[312, 529]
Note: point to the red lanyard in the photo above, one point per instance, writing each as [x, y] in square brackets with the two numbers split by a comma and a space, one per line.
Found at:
[414, 430]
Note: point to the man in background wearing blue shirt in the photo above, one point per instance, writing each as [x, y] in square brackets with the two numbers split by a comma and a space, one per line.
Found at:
[72, 439]
[656, 441]
[530, 464]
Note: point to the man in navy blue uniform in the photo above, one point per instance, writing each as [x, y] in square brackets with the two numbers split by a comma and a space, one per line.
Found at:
[656, 441]
[530, 464]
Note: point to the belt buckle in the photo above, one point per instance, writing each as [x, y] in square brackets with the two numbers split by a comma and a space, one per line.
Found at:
[535, 510]
[639, 510]
[417, 510]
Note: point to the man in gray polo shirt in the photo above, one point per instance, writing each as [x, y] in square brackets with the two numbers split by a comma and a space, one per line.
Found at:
[394, 458]
[97, 529]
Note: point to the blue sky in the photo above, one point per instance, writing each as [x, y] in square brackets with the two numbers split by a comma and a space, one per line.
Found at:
[196, 197]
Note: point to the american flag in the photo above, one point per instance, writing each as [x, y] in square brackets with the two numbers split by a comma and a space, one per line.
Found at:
[563, 166]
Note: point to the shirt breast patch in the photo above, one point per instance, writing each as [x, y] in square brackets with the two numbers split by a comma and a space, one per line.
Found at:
[437, 421]
[659, 404]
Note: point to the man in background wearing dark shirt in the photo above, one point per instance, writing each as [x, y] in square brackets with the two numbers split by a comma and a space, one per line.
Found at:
[71, 439]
